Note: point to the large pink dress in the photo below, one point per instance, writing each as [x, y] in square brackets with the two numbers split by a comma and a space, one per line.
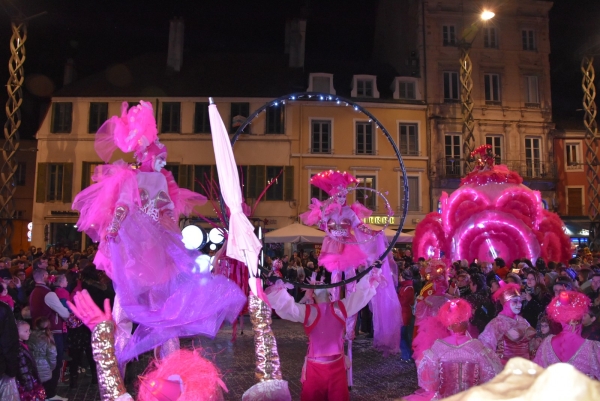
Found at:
[495, 337]
[151, 269]
[447, 369]
[586, 359]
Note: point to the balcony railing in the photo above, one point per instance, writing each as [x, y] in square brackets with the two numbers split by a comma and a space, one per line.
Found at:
[450, 167]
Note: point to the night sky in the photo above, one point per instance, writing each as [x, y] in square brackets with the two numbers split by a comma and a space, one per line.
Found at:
[96, 34]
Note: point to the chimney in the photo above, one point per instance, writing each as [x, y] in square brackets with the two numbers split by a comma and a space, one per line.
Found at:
[295, 41]
[175, 54]
[69, 74]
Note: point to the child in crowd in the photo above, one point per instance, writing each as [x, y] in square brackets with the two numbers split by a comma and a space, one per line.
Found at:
[28, 381]
[542, 331]
[4, 297]
[41, 346]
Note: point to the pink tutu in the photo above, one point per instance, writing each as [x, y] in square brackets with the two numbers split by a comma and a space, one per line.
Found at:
[336, 255]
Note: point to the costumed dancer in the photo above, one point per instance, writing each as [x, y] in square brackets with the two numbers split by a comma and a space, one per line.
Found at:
[182, 375]
[456, 362]
[426, 323]
[342, 254]
[134, 214]
[324, 372]
[508, 334]
[568, 346]
[243, 246]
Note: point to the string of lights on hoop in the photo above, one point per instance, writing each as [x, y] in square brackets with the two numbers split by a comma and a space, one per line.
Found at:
[342, 102]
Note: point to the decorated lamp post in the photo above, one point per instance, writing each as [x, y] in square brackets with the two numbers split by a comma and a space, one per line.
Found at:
[466, 86]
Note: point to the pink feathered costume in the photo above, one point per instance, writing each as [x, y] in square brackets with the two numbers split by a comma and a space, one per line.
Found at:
[568, 346]
[145, 257]
[457, 362]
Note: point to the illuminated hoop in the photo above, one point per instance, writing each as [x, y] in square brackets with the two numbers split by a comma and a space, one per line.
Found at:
[326, 97]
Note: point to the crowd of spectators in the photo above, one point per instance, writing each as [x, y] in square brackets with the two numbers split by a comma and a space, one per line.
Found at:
[50, 347]
[476, 281]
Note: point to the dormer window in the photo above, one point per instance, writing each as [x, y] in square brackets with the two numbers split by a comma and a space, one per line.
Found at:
[320, 82]
[365, 86]
[406, 88]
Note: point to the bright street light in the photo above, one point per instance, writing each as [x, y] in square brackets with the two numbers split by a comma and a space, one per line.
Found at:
[487, 15]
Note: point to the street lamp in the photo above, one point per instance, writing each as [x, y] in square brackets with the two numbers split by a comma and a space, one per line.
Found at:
[466, 85]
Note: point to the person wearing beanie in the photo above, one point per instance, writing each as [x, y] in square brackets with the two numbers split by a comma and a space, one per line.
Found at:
[508, 334]
[568, 346]
[457, 362]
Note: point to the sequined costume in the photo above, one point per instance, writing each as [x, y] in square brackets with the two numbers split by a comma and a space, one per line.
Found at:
[447, 369]
[586, 359]
[496, 337]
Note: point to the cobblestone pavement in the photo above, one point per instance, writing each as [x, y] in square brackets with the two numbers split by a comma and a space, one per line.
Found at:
[375, 377]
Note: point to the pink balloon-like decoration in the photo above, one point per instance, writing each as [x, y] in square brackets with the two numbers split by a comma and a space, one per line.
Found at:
[492, 215]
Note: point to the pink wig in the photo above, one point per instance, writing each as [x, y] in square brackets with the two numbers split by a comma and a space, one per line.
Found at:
[133, 131]
[277, 264]
[200, 378]
[506, 292]
[455, 311]
[333, 182]
[568, 306]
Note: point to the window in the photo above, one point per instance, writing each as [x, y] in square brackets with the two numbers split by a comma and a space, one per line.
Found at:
[21, 174]
[317, 192]
[409, 139]
[490, 38]
[574, 201]
[274, 123]
[492, 88]
[62, 117]
[171, 117]
[451, 91]
[364, 88]
[533, 157]
[275, 191]
[201, 119]
[87, 171]
[321, 136]
[414, 197]
[496, 142]
[202, 179]
[406, 90]
[532, 97]
[528, 36]
[258, 177]
[239, 114]
[452, 153]
[573, 156]
[98, 115]
[365, 141]
[54, 182]
[449, 35]
[364, 196]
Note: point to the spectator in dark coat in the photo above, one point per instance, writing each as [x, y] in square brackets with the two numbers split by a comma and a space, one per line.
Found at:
[9, 347]
[406, 295]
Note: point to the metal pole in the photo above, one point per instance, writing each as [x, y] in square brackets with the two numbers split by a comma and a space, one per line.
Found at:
[11, 134]
[466, 88]
[591, 150]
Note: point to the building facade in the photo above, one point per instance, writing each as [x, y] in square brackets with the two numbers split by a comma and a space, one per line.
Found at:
[283, 146]
[511, 84]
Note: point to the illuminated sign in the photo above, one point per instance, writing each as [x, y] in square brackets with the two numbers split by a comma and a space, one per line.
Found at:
[379, 220]
[29, 228]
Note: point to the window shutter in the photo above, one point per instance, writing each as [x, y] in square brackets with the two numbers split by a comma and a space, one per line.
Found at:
[185, 179]
[256, 180]
[288, 183]
[67, 182]
[85, 174]
[40, 195]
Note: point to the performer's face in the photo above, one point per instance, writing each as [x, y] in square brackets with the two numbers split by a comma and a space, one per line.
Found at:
[515, 305]
[159, 162]
[340, 198]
